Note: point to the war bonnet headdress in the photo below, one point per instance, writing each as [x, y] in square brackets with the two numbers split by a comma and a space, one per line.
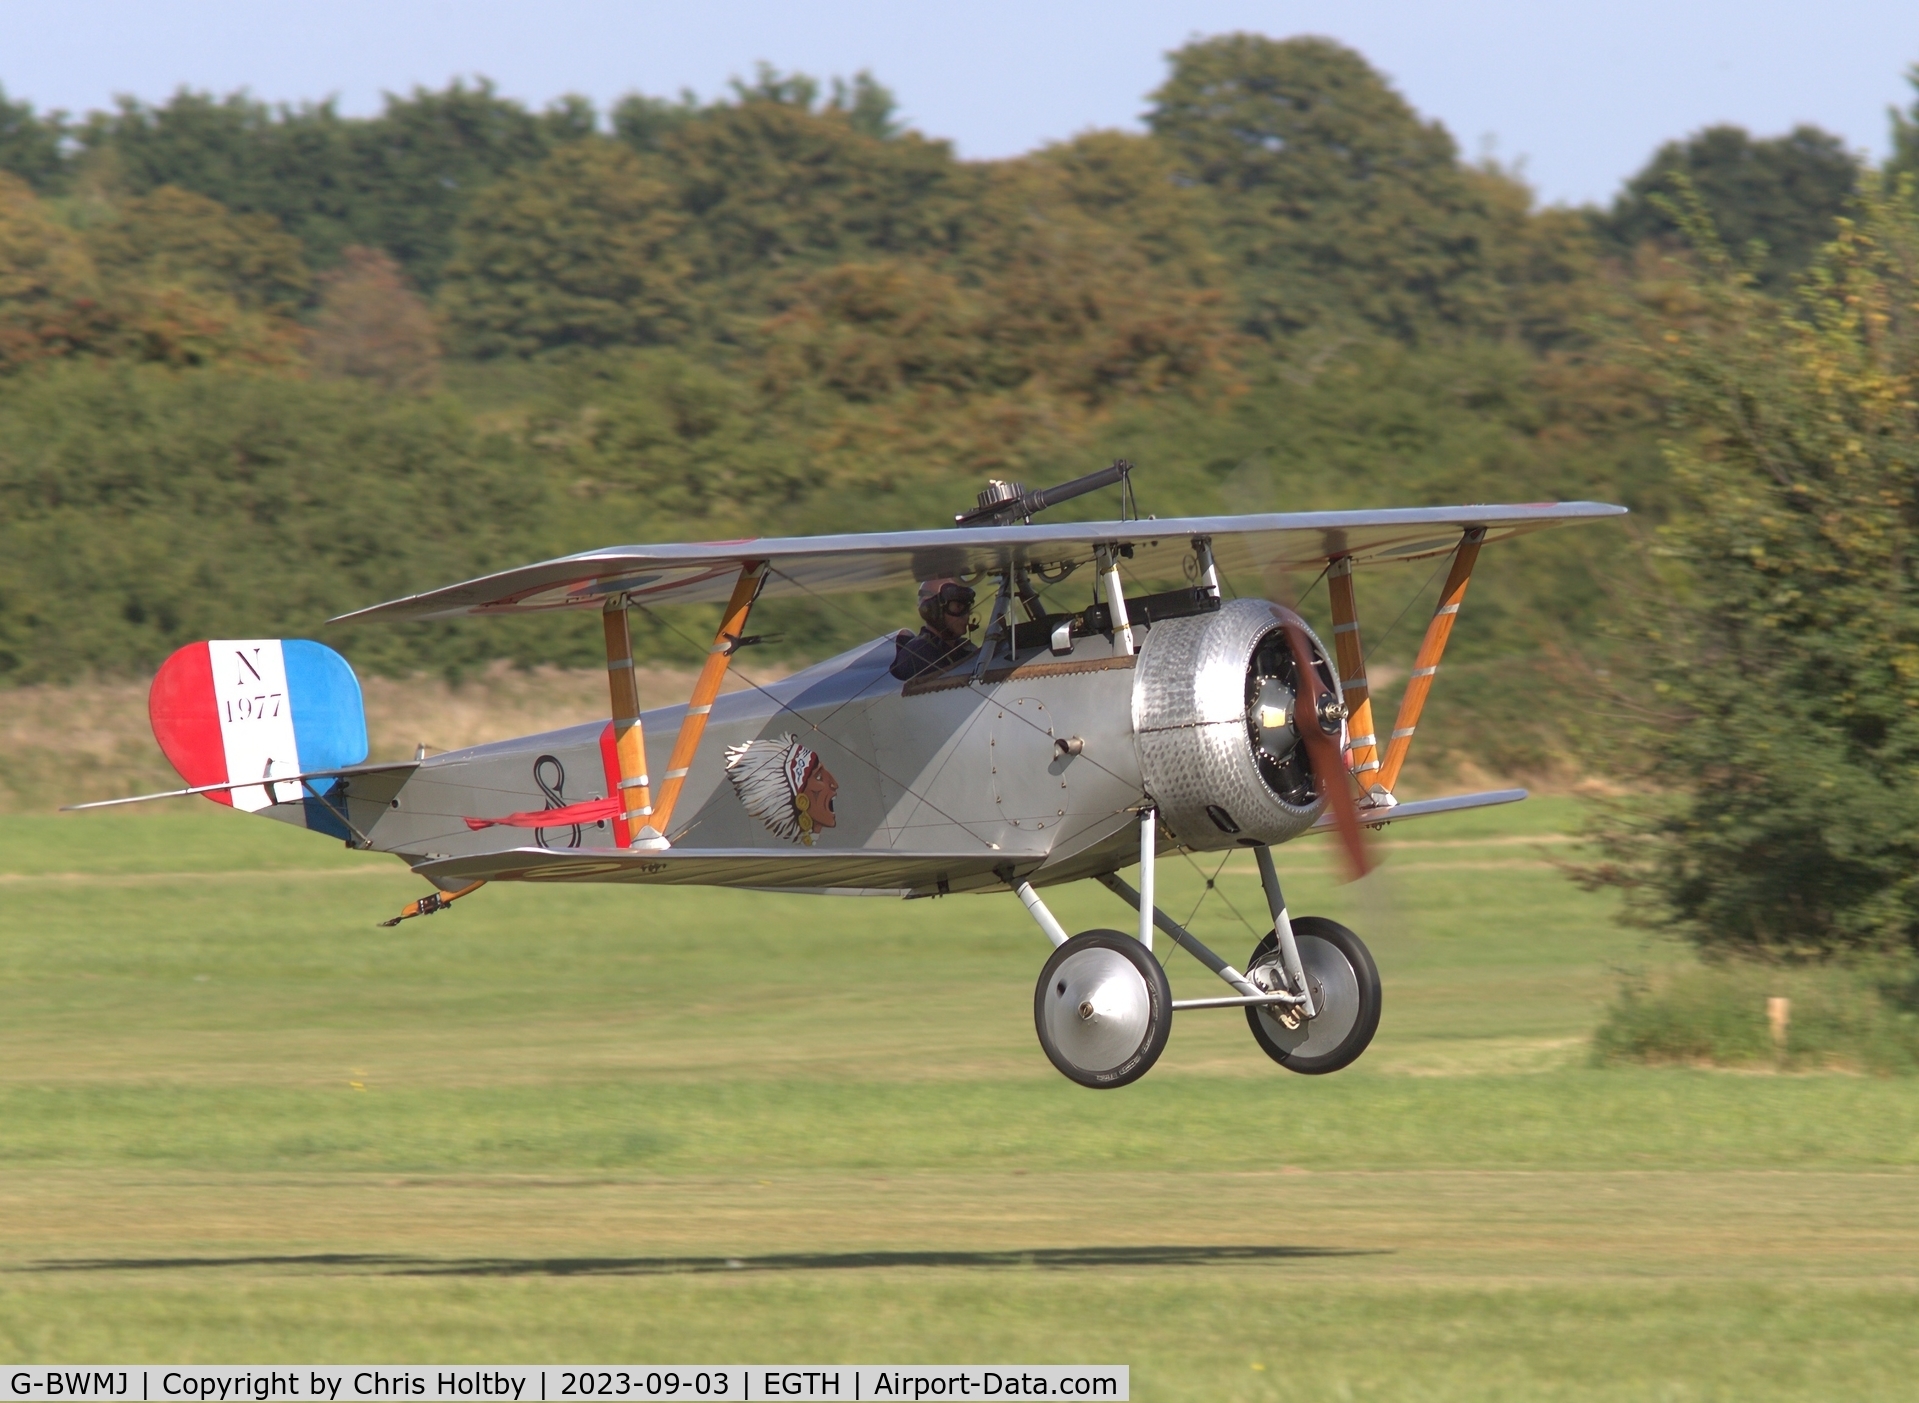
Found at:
[769, 775]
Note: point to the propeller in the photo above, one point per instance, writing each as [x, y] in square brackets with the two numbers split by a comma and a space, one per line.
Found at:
[1318, 713]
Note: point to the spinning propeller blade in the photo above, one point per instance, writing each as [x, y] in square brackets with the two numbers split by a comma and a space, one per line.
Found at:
[1314, 712]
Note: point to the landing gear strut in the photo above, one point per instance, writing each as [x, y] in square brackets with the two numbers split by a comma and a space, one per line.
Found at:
[1103, 1007]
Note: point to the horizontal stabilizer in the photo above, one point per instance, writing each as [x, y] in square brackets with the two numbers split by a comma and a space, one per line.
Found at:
[284, 789]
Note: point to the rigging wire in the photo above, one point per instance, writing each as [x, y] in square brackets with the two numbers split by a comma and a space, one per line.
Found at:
[814, 726]
[1366, 655]
[831, 604]
[1222, 895]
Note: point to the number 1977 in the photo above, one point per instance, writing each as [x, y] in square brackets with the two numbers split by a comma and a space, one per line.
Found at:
[254, 708]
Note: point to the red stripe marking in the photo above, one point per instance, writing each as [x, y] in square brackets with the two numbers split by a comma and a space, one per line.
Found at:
[610, 765]
[186, 719]
[586, 811]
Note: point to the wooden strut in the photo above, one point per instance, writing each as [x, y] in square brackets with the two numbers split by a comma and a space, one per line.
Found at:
[635, 818]
[1431, 649]
[718, 658]
[1363, 745]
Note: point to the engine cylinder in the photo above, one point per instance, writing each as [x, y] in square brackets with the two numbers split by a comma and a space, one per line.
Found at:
[1215, 717]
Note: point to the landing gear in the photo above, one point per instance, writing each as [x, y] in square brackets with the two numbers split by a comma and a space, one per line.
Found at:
[1344, 984]
[1103, 1008]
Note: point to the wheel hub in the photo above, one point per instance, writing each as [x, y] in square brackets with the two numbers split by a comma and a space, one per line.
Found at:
[1271, 976]
[1099, 1009]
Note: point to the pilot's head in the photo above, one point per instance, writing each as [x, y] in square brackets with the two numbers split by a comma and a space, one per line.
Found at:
[946, 604]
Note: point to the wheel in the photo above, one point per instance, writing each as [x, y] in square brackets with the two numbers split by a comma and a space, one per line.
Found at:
[1345, 985]
[1103, 1008]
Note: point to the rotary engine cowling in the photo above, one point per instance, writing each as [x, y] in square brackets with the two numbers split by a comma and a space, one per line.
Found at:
[1214, 715]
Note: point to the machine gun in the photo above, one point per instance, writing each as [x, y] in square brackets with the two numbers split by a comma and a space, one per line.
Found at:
[1003, 503]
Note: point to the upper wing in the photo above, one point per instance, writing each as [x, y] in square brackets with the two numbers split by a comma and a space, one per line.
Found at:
[704, 572]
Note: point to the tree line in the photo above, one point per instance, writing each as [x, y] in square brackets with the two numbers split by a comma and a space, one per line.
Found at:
[260, 365]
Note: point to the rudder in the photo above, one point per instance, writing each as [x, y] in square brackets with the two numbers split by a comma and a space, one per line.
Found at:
[229, 710]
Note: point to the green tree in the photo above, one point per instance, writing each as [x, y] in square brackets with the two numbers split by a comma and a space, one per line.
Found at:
[30, 144]
[398, 181]
[1783, 712]
[172, 278]
[578, 251]
[422, 160]
[1335, 203]
[1545, 263]
[1780, 192]
[1905, 134]
[773, 189]
[1133, 185]
[235, 150]
[1078, 276]
[51, 301]
[173, 236]
[641, 121]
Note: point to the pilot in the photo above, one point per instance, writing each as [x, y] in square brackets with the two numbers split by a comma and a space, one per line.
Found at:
[946, 604]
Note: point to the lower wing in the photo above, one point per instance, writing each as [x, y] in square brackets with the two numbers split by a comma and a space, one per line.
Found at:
[776, 869]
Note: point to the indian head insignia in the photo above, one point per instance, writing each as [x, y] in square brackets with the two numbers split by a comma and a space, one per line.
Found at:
[783, 785]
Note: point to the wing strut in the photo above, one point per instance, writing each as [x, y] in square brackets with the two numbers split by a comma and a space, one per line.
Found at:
[718, 658]
[635, 814]
[1431, 649]
[1351, 654]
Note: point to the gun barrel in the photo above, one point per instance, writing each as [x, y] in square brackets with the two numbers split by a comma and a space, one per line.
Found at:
[1033, 503]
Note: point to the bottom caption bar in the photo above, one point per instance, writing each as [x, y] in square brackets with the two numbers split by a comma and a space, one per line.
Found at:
[359, 1383]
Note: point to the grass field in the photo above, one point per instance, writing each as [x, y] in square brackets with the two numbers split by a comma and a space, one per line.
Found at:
[238, 1122]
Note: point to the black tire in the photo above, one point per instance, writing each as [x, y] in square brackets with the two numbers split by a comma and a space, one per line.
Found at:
[1111, 1046]
[1345, 984]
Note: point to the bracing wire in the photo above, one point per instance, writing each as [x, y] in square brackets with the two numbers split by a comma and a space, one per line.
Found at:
[1418, 594]
[815, 726]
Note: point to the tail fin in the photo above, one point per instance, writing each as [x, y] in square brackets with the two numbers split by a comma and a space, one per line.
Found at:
[245, 708]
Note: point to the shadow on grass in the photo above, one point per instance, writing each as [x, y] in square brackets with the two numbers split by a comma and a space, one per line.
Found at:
[1040, 1259]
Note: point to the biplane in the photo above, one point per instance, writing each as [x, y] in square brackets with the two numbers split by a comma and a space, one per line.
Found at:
[1070, 744]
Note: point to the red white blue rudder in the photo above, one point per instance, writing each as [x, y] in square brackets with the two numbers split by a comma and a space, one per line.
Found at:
[254, 708]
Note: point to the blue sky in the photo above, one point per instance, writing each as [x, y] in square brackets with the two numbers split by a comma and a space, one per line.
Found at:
[1579, 92]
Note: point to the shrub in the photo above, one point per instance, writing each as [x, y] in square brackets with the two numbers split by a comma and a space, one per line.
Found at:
[1716, 1016]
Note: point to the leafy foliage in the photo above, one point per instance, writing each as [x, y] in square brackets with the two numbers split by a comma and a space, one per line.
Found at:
[371, 326]
[30, 144]
[1784, 193]
[1905, 133]
[1838, 1020]
[173, 236]
[1335, 203]
[140, 508]
[577, 251]
[50, 297]
[398, 181]
[1786, 659]
[173, 278]
[771, 187]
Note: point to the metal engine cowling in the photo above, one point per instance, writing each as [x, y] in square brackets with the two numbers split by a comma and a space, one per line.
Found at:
[1214, 715]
